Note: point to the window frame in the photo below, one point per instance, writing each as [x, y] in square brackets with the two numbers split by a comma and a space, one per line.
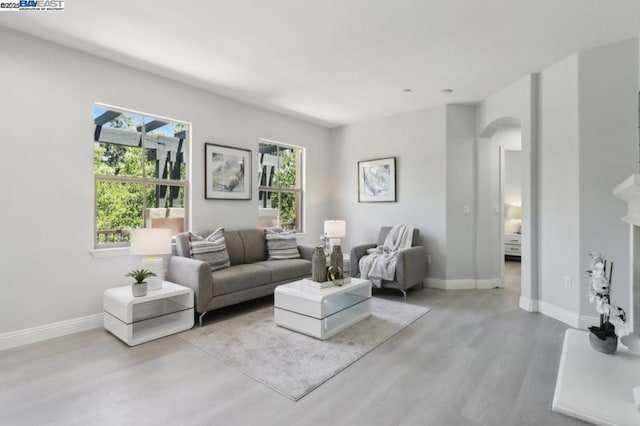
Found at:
[142, 180]
[300, 180]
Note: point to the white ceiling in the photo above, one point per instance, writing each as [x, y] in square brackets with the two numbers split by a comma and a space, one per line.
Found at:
[335, 62]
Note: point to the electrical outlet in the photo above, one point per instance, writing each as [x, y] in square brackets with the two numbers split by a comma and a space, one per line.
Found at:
[567, 281]
[428, 258]
[467, 210]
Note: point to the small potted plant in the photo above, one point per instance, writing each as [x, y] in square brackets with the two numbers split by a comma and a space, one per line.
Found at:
[139, 288]
[603, 338]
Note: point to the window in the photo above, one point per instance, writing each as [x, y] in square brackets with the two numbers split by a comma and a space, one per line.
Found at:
[140, 174]
[281, 180]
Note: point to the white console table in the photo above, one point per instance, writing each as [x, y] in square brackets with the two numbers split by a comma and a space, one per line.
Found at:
[136, 320]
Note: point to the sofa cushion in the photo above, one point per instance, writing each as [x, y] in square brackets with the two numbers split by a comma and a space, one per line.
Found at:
[235, 247]
[212, 250]
[255, 247]
[182, 244]
[239, 277]
[287, 269]
[282, 244]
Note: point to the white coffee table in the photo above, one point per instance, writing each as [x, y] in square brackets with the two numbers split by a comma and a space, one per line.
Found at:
[321, 313]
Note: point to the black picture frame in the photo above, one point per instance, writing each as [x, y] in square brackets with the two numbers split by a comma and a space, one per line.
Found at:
[227, 172]
[377, 180]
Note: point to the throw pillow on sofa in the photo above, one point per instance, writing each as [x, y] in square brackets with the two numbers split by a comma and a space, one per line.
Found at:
[212, 249]
[282, 244]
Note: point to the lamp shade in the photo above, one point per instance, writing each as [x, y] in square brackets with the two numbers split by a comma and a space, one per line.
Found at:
[335, 228]
[514, 212]
[150, 241]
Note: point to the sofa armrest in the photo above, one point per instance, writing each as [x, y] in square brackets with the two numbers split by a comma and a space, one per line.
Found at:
[306, 252]
[194, 274]
[354, 258]
[411, 266]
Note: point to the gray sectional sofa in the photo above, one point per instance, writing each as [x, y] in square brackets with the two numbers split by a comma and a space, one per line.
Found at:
[250, 275]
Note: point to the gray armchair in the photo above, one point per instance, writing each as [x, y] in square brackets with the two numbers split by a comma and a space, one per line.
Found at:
[411, 267]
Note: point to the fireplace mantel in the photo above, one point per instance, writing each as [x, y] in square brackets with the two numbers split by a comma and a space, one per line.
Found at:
[597, 387]
[629, 191]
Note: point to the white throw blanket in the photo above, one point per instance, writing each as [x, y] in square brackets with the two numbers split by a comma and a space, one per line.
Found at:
[380, 262]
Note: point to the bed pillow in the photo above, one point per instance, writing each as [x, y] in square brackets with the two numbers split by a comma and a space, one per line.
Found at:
[282, 244]
[212, 249]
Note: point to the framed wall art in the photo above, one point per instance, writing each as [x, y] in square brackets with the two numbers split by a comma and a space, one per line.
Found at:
[227, 172]
[377, 180]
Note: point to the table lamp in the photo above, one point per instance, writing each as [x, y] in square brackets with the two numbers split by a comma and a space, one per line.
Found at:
[514, 213]
[334, 230]
[151, 242]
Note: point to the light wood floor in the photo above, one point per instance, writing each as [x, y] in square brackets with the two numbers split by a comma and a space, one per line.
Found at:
[475, 359]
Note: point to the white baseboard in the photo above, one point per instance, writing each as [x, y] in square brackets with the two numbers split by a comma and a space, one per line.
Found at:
[436, 283]
[451, 284]
[560, 314]
[586, 321]
[26, 336]
[527, 304]
[463, 284]
[572, 319]
[488, 284]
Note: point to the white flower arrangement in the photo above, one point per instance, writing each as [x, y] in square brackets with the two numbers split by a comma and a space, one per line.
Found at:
[326, 246]
[600, 293]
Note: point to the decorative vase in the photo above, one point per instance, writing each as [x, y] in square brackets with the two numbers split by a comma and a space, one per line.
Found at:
[606, 346]
[319, 266]
[139, 289]
[334, 274]
[336, 257]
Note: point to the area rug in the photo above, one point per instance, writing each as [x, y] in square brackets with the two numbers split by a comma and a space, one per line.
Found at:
[292, 363]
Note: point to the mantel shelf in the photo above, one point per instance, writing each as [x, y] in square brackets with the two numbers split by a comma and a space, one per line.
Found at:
[629, 191]
[596, 387]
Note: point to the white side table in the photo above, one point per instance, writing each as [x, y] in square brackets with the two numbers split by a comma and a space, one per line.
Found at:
[512, 245]
[136, 320]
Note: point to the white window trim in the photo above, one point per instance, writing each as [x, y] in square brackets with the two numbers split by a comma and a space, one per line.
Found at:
[301, 189]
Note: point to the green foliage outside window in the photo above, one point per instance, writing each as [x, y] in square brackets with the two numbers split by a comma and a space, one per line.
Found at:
[119, 205]
[286, 178]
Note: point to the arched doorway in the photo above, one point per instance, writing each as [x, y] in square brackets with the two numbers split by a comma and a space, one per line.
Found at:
[495, 141]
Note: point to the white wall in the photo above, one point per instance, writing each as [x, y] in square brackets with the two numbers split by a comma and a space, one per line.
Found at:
[588, 145]
[48, 91]
[608, 108]
[460, 141]
[512, 188]
[436, 180]
[512, 178]
[559, 213]
[417, 139]
[518, 104]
